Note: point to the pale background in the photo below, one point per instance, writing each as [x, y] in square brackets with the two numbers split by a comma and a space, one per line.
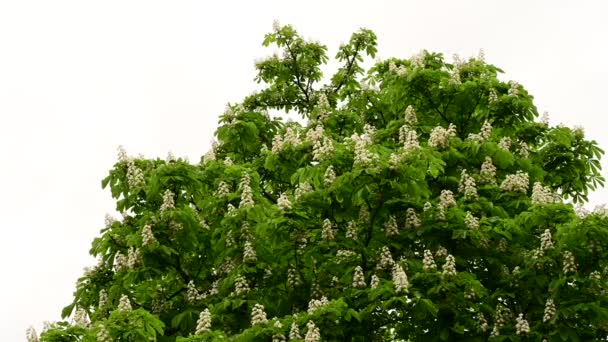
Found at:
[78, 78]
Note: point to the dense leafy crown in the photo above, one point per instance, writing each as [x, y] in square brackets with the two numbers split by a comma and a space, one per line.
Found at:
[417, 201]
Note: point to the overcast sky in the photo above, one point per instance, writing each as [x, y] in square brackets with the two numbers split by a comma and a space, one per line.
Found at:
[78, 78]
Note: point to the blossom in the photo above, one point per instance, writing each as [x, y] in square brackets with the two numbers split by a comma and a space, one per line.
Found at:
[109, 220]
[390, 227]
[135, 176]
[294, 332]
[228, 162]
[455, 76]
[410, 139]
[210, 155]
[103, 298]
[446, 200]
[301, 189]
[315, 304]
[471, 221]
[246, 194]
[363, 157]
[192, 293]
[147, 237]
[487, 173]
[359, 278]
[330, 176]
[410, 115]
[386, 259]
[400, 279]
[417, 60]
[322, 149]
[516, 182]
[283, 202]
[168, 202]
[31, 335]
[482, 323]
[481, 55]
[545, 119]
[484, 134]
[364, 214]
[550, 310]
[102, 334]
[124, 304]
[323, 106]
[374, 282]
[569, 263]
[428, 263]
[502, 315]
[204, 322]
[411, 218]
[504, 143]
[120, 262]
[133, 258]
[521, 326]
[524, 151]
[327, 233]
[313, 334]
[467, 186]
[441, 252]
[223, 190]
[258, 316]
[293, 278]
[276, 26]
[543, 195]
[492, 96]
[514, 89]
[249, 255]
[440, 136]
[546, 242]
[240, 285]
[449, 268]
[351, 230]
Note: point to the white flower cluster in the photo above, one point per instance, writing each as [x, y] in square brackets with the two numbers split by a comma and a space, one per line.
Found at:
[374, 282]
[428, 263]
[314, 304]
[204, 322]
[120, 262]
[484, 134]
[545, 118]
[581, 211]
[240, 285]
[228, 162]
[492, 96]
[449, 268]
[102, 334]
[133, 258]
[192, 294]
[294, 332]
[223, 190]
[390, 226]
[410, 115]
[290, 138]
[417, 60]
[135, 176]
[469, 294]
[351, 230]
[344, 254]
[521, 326]
[441, 252]
[293, 278]
[569, 263]
[147, 237]
[514, 89]
[409, 138]
[327, 233]
[595, 275]
[364, 214]
[446, 200]
[411, 218]
[400, 279]
[330, 176]
[31, 335]
[246, 194]
[455, 75]
[543, 195]
[427, 206]
[103, 298]
[322, 149]
[471, 221]
[502, 315]
[550, 310]
[316, 134]
[518, 182]
[524, 150]
[487, 173]
[482, 323]
[505, 143]
[440, 136]
[363, 157]
[122, 154]
[467, 186]
[109, 220]
[495, 332]
[258, 315]
[124, 304]
[400, 71]
[168, 202]
[313, 334]
[386, 259]
[210, 155]
[249, 255]
[323, 106]
[301, 189]
[359, 278]
[283, 202]
[546, 241]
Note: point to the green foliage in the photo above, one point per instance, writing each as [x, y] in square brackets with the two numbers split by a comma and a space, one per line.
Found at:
[417, 201]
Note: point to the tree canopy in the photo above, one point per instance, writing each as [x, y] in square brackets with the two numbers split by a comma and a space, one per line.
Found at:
[419, 200]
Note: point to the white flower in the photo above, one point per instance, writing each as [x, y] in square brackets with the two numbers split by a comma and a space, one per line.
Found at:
[411, 218]
[441, 252]
[543, 195]
[258, 316]
[240, 286]
[330, 176]
[103, 298]
[482, 323]
[521, 327]
[495, 331]
[550, 310]
[109, 220]
[545, 119]
[386, 259]
[427, 206]
[313, 334]
[327, 233]
[364, 214]
[440, 136]
[428, 263]
[446, 200]
[294, 332]
[471, 221]
[487, 173]
[449, 268]
[276, 26]
[514, 90]
[135, 176]
[374, 282]
[283, 202]
[524, 151]
[192, 293]
[147, 237]
[359, 278]
[400, 279]
[249, 255]
[595, 275]
[492, 96]
[246, 194]
[481, 55]
[223, 190]
[467, 186]
[122, 154]
[120, 262]
[322, 149]
[504, 143]
[293, 278]
[351, 230]
[409, 137]
[81, 319]
[363, 157]
[203, 323]
[502, 315]
[417, 60]
[228, 162]
[124, 304]
[390, 227]
[210, 155]
[455, 76]
[546, 241]
[133, 258]
[569, 263]
[168, 202]
[301, 189]
[102, 335]
[31, 335]
[484, 133]
[518, 182]
[315, 304]
[410, 115]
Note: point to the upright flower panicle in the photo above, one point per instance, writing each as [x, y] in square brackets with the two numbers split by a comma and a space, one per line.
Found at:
[327, 233]
[124, 304]
[31, 335]
[518, 182]
[168, 201]
[258, 315]
[440, 136]
[313, 334]
[283, 202]
[467, 186]
[147, 237]
[550, 310]
[390, 227]
[521, 326]
[428, 263]
[359, 278]
[294, 332]
[330, 176]
[400, 279]
[487, 174]
[449, 268]
[203, 323]
[246, 193]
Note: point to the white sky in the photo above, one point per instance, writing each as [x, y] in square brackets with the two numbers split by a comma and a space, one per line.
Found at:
[78, 78]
